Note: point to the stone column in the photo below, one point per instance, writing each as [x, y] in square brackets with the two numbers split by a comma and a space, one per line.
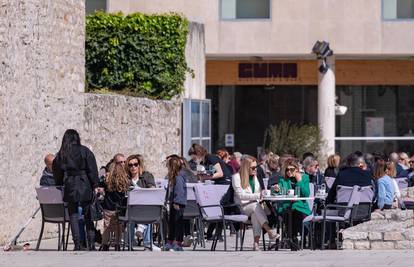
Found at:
[326, 107]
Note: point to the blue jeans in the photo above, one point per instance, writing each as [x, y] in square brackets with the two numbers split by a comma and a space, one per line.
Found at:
[147, 235]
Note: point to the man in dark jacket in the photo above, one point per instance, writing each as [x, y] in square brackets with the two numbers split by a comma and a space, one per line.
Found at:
[351, 175]
[47, 178]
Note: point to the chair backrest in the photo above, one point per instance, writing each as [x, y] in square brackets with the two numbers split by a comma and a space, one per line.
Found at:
[190, 191]
[207, 195]
[366, 194]
[50, 194]
[51, 203]
[402, 182]
[329, 181]
[146, 197]
[348, 195]
[145, 205]
[161, 183]
[311, 194]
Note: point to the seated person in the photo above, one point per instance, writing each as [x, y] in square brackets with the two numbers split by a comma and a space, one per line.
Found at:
[353, 174]
[292, 179]
[47, 175]
[247, 193]
[385, 185]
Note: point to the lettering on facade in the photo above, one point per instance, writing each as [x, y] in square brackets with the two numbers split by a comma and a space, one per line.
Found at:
[268, 70]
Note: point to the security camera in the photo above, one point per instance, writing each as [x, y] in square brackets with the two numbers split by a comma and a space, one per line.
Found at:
[340, 110]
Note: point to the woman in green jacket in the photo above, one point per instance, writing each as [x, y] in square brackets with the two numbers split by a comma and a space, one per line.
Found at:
[292, 178]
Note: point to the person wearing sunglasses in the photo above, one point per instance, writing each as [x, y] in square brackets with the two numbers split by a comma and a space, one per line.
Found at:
[140, 177]
[291, 179]
[247, 193]
[311, 168]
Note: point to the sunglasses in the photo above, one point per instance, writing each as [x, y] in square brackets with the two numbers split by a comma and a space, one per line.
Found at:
[133, 165]
[290, 169]
[253, 168]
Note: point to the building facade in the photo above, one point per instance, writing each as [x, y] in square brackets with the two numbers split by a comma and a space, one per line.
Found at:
[260, 69]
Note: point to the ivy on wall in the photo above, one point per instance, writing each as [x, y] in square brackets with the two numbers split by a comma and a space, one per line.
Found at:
[137, 54]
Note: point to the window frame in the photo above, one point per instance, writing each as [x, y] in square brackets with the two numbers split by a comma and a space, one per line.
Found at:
[245, 19]
[393, 20]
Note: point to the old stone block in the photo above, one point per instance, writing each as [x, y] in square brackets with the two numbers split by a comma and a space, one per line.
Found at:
[375, 236]
[377, 216]
[349, 234]
[382, 245]
[393, 236]
[362, 245]
[409, 234]
[404, 245]
[402, 215]
[348, 244]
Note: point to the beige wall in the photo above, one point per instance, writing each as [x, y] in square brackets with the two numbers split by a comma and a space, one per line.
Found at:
[353, 27]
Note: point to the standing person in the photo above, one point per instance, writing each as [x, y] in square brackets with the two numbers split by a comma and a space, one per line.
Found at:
[247, 193]
[385, 185]
[116, 186]
[222, 175]
[75, 168]
[177, 196]
[47, 178]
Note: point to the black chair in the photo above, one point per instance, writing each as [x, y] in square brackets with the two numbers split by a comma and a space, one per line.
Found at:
[53, 211]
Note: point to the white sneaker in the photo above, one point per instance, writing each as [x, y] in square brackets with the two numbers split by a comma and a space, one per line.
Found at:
[155, 248]
[256, 246]
[273, 235]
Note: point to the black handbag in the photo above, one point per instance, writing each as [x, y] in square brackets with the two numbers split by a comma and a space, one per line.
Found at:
[96, 209]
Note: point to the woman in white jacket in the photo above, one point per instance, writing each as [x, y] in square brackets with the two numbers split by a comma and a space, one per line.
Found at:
[247, 193]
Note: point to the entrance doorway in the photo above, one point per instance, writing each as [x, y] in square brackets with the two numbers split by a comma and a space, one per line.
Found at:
[247, 111]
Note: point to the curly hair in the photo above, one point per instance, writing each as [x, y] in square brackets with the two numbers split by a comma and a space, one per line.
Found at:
[174, 165]
[117, 179]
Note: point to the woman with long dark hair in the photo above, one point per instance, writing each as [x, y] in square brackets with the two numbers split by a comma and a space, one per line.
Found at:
[75, 168]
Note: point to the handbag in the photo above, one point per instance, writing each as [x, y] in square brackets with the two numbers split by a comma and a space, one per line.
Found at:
[96, 209]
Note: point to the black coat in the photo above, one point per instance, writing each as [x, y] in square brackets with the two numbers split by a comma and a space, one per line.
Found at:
[79, 175]
[350, 176]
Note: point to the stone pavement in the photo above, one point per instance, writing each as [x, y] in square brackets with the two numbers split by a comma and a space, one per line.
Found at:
[48, 256]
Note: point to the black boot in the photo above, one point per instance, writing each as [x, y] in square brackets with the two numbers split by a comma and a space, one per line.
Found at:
[91, 240]
[74, 225]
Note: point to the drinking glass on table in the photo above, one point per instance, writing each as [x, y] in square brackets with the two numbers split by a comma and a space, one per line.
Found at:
[265, 184]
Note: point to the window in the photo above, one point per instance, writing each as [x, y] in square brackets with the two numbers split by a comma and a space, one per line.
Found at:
[196, 124]
[398, 9]
[245, 9]
[95, 5]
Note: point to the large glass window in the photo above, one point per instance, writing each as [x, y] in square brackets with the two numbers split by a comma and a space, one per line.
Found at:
[95, 5]
[379, 119]
[398, 9]
[196, 124]
[245, 9]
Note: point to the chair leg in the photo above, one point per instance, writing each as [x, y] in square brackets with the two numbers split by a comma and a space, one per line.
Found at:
[323, 235]
[129, 238]
[224, 234]
[152, 235]
[59, 240]
[303, 235]
[63, 236]
[40, 235]
[162, 236]
[237, 240]
[264, 241]
[242, 238]
[67, 237]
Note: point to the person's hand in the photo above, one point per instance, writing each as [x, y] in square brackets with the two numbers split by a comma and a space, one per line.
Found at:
[98, 190]
[298, 176]
[176, 206]
[276, 188]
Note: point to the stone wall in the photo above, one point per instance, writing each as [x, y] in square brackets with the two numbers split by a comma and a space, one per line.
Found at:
[132, 125]
[388, 229]
[42, 95]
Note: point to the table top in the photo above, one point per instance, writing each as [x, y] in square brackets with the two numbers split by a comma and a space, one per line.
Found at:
[288, 198]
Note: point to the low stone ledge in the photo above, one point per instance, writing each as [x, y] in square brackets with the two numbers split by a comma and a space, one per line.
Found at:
[390, 229]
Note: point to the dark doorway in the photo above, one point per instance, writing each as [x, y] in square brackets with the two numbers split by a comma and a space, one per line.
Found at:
[254, 108]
